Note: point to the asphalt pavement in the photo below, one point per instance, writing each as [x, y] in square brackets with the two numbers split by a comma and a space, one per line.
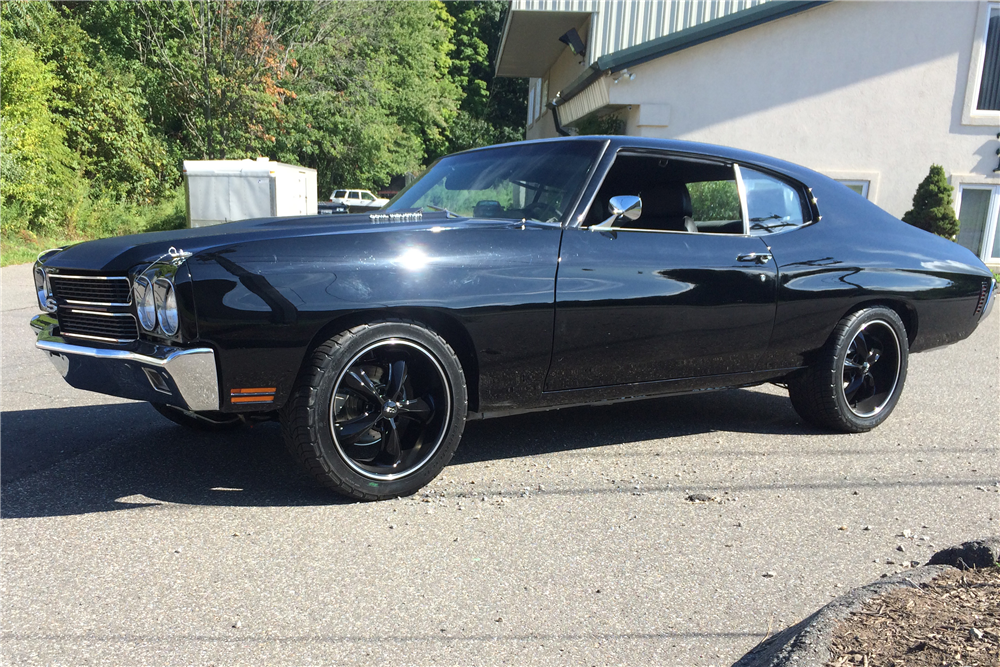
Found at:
[562, 538]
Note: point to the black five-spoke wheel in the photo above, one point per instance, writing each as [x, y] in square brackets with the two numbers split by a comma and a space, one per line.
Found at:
[378, 411]
[871, 368]
[858, 376]
[390, 409]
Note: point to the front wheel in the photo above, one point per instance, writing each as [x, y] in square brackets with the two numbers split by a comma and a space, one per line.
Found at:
[378, 410]
[857, 379]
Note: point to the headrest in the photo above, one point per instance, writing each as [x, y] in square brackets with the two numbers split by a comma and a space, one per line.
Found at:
[666, 201]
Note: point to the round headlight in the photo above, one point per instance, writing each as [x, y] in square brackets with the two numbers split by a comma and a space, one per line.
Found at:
[166, 306]
[145, 304]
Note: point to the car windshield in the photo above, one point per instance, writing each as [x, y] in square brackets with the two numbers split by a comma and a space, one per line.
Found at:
[525, 181]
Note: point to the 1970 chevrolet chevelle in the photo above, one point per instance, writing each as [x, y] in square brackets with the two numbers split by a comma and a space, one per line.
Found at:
[513, 278]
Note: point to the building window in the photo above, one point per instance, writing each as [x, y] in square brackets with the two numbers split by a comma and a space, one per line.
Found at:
[977, 214]
[988, 86]
[861, 187]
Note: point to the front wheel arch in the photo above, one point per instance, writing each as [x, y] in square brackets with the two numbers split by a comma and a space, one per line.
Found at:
[443, 324]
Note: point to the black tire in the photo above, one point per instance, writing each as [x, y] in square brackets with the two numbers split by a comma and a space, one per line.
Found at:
[856, 381]
[200, 421]
[378, 410]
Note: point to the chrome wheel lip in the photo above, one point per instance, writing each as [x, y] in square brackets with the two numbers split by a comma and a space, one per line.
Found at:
[368, 474]
[895, 382]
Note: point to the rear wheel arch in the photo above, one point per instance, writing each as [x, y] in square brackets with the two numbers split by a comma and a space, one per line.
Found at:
[906, 312]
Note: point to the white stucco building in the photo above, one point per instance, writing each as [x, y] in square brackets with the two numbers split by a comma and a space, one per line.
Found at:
[870, 93]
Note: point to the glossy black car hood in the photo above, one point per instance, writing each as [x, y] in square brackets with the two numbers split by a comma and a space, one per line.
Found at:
[118, 254]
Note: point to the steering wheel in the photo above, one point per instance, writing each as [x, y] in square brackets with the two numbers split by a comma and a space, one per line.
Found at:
[541, 211]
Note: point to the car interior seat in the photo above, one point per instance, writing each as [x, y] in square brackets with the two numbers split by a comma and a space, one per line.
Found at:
[666, 207]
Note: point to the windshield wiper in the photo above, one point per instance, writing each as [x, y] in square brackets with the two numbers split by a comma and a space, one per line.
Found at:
[440, 209]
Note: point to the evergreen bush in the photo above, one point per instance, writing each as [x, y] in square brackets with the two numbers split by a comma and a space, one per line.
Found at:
[933, 208]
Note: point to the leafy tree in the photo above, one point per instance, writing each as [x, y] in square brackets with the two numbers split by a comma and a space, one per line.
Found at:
[374, 97]
[493, 109]
[220, 69]
[933, 209]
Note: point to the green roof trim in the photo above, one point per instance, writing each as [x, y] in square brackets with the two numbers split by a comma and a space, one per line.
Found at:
[699, 34]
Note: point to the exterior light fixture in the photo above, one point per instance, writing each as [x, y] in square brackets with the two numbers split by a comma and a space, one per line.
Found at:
[624, 73]
[572, 39]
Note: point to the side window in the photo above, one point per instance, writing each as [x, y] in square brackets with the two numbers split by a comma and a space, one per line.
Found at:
[367, 196]
[716, 206]
[772, 205]
[354, 195]
[339, 194]
[678, 194]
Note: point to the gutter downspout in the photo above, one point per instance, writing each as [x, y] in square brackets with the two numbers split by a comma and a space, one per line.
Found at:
[555, 119]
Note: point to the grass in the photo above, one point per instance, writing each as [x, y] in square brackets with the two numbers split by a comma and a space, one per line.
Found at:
[97, 220]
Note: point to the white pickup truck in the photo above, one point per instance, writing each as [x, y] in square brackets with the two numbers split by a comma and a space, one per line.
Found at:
[357, 200]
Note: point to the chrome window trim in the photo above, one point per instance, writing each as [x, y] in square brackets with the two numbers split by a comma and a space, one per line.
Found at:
[742, 189]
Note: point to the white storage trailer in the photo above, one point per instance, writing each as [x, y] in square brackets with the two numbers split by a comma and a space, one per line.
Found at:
[226, 190]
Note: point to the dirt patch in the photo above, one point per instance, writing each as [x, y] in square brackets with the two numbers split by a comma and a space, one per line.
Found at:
[952, 620]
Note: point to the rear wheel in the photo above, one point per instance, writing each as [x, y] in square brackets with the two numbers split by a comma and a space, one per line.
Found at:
[199, 421]
[378, 411]
[857, 379]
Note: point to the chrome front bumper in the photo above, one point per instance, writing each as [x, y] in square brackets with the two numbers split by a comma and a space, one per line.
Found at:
[184, 377]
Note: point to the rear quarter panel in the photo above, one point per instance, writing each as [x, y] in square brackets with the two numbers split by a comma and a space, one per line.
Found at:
[856, 255]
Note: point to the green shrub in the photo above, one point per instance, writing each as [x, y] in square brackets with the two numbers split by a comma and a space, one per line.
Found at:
[933, 209]
[38, 172]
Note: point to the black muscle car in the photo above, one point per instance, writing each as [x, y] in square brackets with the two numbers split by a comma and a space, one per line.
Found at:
[513, 278]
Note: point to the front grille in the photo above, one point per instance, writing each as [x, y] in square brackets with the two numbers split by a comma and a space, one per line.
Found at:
[111, 327]
[88, 290]
[95, 307]
[984, 293]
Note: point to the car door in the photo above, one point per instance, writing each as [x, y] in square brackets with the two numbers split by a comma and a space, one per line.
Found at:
[684, 291]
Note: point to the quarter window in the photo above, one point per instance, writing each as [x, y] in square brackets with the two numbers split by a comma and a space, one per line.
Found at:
[772, 205]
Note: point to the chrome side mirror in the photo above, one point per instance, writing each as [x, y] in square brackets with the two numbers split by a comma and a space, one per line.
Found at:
[628, 207]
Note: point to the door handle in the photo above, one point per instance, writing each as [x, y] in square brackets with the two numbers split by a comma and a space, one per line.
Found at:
[758, 257]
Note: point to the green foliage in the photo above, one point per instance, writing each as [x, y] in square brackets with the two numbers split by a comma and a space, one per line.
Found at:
[34, 161]
[715, 200]
[493, 109]
[102, 100]
[373, 94]
[93, 219]
[933, 209]
[601, 125]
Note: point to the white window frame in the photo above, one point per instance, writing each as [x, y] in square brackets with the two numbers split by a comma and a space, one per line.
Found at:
[970, 114]
[865, 185]
[868, 179]
[989, 232]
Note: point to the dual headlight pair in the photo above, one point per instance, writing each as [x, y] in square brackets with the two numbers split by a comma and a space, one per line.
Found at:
[156, 302]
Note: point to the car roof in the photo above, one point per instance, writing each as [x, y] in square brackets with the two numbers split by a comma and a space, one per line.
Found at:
[619, 142]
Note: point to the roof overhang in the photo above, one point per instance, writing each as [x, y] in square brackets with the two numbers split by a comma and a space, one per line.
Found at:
[530, 43]
[684, 39]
